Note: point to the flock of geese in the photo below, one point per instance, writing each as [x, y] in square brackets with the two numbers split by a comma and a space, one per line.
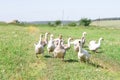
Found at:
[57, 47]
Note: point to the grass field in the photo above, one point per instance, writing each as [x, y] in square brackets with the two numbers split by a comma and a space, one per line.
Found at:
[18, 60]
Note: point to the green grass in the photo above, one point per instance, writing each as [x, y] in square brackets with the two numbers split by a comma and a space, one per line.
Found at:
[18, 60]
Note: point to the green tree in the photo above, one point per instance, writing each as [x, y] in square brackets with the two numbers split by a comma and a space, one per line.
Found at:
[50, 24]
[85, 22]
[58, 22]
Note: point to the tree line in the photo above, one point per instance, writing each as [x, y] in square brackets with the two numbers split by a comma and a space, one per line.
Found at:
[83, 22]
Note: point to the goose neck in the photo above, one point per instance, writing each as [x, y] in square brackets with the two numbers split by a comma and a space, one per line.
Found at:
[69, 42]
[40, 39]
[80, 47]
[99, 42]
[46, 37]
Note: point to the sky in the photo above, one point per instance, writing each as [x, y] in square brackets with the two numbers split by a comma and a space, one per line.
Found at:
[49, 10]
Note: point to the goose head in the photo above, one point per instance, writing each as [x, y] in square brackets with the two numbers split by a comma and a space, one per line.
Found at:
[101, 39]
[70, 38]
[60, 36]
[83, 34]
[47, 33]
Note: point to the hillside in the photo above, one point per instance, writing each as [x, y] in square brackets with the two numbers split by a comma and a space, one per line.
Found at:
[107, 23]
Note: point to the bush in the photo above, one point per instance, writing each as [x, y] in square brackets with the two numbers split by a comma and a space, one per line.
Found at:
[51, 24]
[85, 22]
[58, 22]
[72, 24]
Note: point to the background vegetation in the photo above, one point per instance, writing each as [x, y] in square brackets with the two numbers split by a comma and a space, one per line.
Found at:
[85, 22]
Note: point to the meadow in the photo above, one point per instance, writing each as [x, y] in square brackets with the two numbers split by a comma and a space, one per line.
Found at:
[18, 60]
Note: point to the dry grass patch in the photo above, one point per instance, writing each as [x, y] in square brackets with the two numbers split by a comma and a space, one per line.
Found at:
[32, 29]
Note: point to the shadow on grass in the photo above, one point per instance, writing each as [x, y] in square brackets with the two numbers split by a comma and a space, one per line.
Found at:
[47, 56]
[70, 60]
[96, 65]
[97, 52]
[100, 52]
[85, 46]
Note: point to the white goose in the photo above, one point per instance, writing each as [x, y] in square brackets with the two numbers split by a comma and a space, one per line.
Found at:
[45, 41]
[56, 41]
[75, 42]
[83, 55]
[59, 51]
[39, 49]
[93, 46]
[83, 38]
[51, 45]
[67, 46]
